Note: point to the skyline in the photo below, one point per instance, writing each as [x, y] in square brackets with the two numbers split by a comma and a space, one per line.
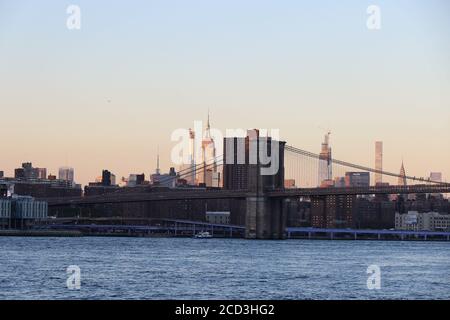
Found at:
[326, 176]
[107, 95]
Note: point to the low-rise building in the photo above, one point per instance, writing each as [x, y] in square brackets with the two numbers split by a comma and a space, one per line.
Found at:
[5, 208]
[21, 211]
[28, 208]
[5, 213]
[422, 221]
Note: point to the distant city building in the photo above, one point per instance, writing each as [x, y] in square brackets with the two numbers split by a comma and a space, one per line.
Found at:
[328, 183]
[19, 173]
[202, 168]
[378, 162]
[325, 164]
[28, 172]
[42, 173]
[123, 182]
[140, 179]
[136, 180]
[402, 178]
[349, 211]
[107, 178]
[339, 182]
[436, 176]
[218, 217]
[34, 182]
[66, 174]
[422, 221]
[1, 174]
[357, 179]
[333, 211]
[44, 188]
[209, 176]
[164, 180]
[376, 213]
[191, 168]
[289, 183]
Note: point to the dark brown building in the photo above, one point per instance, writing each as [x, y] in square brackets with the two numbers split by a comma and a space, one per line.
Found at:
[45, 190]
[333, 211]
[244, 168]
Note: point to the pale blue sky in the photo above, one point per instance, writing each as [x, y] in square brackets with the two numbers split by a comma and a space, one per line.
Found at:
[294, 65]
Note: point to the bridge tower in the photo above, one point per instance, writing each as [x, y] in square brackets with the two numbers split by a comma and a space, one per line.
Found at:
[256, 164]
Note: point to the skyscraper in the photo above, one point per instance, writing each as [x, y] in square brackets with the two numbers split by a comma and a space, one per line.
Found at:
[66, 174]
[209, 176]
[436, 176]
[106, 178]
[325, 165]
[193, 171]
[378, 161]
[402, 178]
[357, 179]
[157, 171]
[41, 173]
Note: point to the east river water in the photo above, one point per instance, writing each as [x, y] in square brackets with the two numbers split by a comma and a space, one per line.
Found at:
[181, 268]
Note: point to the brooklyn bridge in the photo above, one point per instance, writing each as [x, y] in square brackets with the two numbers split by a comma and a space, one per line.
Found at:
[260, 203]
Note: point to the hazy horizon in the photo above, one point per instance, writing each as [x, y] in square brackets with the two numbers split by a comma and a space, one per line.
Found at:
[107, 95]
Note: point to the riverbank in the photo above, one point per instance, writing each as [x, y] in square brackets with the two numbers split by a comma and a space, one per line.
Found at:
[40, 233]
[291, 236]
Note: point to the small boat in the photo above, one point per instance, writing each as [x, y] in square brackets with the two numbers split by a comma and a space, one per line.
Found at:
[203, 235]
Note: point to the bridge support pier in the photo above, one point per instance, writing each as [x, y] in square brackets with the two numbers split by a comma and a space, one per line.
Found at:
[266, 217]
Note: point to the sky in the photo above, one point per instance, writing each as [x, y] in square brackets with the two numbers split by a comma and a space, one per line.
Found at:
[107, 95]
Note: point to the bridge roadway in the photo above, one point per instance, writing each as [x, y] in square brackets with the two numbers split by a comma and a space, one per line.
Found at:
[129, 197]
[304, 192]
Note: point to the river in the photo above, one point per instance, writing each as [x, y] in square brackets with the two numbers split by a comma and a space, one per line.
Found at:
[182, 268]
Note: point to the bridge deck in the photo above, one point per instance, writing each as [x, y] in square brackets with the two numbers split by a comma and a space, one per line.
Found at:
[241, 194]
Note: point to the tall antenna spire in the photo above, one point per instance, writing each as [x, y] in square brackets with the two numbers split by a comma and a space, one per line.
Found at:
[208, 128]
[157, 161]
[208, 125]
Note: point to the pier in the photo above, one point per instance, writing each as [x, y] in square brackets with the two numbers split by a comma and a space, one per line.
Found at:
[360, 234]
